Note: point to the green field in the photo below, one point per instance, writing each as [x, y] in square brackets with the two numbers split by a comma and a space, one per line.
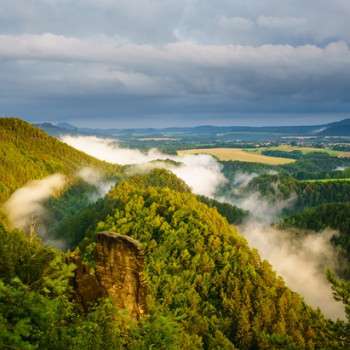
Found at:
[305, 150]
[326, 180]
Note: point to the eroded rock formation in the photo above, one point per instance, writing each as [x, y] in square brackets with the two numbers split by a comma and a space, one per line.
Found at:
[118, 274]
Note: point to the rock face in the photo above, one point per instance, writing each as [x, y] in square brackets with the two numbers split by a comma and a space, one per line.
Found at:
[118, 274]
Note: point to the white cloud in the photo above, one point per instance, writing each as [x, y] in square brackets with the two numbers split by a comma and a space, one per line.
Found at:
[175, 69]
[51, 47]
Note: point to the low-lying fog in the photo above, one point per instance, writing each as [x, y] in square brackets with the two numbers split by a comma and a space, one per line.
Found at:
[201, 172]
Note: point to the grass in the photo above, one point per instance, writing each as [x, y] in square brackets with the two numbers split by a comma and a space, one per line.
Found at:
[305, 150]
[237, 154]
[327, 180]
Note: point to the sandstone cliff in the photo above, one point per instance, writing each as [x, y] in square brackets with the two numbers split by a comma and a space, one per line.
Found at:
[118, 274]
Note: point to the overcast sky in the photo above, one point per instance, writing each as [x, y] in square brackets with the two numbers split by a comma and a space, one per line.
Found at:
[175, 62]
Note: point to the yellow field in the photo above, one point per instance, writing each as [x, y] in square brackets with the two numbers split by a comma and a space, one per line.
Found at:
[237, 154]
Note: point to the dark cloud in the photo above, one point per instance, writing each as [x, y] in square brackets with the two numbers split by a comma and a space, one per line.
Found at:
[65, 59]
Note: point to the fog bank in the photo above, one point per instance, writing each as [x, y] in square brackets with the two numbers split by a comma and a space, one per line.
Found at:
[201, 172]
[300, 258]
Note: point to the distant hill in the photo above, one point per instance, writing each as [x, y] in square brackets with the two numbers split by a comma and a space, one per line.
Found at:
[55, 129]
[341, 128]
[66, 126]
[28, 153]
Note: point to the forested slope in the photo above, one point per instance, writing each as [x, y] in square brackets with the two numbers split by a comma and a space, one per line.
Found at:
[201, 271]
[206, 288]
[28, 153]
[307, 193]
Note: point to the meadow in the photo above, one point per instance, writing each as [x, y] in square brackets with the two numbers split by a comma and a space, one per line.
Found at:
[238, 154]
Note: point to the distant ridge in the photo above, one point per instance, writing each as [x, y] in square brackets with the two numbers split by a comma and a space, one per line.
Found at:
[340, 128]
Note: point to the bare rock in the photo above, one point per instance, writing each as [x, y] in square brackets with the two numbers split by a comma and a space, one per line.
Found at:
[119, 264]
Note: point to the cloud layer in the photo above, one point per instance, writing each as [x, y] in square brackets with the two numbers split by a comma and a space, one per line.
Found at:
[123, 61]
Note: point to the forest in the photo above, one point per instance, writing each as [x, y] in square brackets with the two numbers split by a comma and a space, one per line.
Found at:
[206, 288]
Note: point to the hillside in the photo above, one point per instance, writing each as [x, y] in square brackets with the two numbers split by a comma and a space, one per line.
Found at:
[28, 153]
[201, 271]
[206, 289]
[341, 128]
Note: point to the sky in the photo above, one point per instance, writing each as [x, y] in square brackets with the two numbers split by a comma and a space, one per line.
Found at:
[141, 63]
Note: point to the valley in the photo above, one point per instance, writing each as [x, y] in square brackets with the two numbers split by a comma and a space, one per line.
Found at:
[174, 175]
[231, 251]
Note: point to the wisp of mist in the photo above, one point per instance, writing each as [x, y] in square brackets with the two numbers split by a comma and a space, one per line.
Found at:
[25, 204]
[25, 209]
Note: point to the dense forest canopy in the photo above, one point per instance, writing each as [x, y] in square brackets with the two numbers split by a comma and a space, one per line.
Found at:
[199, 267]
[206, 288]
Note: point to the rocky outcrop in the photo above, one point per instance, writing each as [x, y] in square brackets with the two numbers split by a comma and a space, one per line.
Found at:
[118, 274]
